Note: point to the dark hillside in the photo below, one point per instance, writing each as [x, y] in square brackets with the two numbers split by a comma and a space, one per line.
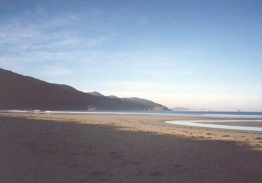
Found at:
[25, 93]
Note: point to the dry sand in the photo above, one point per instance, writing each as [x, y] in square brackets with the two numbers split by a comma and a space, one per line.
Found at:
[123, 148]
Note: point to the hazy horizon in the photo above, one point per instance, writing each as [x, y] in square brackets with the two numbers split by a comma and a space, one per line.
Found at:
[193, 54]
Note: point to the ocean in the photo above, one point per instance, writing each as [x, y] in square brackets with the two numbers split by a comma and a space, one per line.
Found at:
[233, 117]
[218, 114]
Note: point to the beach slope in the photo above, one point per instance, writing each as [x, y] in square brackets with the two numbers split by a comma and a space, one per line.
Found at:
[122, 148]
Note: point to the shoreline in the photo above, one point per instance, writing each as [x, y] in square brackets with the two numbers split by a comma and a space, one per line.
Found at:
[158, 125]
[252, 125]
[124, 148]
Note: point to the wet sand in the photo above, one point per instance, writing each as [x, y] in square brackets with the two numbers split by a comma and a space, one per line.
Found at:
[249, 123]
[123, 148]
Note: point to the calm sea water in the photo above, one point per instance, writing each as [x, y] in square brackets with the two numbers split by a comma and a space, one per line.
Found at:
[247, 116]
[221, 114]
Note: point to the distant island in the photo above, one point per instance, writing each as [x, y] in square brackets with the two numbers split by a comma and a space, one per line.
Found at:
[20, 92]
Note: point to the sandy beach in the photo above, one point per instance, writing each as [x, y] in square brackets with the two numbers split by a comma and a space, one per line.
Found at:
[124, 148]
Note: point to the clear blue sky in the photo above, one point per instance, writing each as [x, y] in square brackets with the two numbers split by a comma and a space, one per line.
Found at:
[200, 54]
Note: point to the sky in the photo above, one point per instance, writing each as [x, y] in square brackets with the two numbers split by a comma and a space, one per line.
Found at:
[198, 54]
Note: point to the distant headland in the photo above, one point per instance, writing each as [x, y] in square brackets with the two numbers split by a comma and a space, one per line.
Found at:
[20, 92]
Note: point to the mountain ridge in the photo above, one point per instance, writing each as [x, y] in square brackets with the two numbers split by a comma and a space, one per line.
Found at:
[26, 93]
[130, 99]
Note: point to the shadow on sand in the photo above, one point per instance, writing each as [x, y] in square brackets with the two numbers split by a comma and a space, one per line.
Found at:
[53, 151]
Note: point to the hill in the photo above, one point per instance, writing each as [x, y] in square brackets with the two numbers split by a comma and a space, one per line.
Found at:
[112, 96]
[95, 93]
[26, 93]
[135, 100]
[140, 101]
